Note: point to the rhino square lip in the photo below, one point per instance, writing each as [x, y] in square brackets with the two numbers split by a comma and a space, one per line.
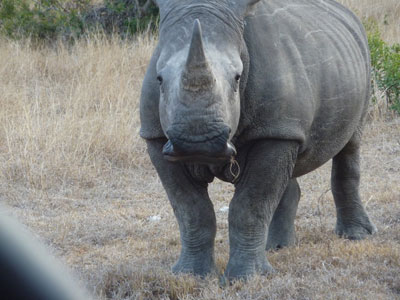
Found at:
[171, 155]
[197, 158]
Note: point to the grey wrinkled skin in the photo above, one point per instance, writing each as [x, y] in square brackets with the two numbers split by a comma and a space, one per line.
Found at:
[281, 86]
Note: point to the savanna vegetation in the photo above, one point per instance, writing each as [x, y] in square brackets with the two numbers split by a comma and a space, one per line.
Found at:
[73, 168]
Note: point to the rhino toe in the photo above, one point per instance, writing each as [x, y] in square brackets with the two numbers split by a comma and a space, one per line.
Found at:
[356, 231]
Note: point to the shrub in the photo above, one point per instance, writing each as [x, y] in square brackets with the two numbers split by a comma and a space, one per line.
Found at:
[41, 19]
[50, 19]
[385, 60]
[125, 17]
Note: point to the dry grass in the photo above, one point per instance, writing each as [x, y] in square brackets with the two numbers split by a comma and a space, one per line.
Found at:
[74, 169]
[385, 12]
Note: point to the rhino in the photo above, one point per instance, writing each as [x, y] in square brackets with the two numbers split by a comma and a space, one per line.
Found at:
[257, 93]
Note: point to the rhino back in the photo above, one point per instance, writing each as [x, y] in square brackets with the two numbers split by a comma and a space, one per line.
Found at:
[308, 78]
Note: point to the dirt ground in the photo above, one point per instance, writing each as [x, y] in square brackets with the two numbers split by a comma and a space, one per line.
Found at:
[121, 238]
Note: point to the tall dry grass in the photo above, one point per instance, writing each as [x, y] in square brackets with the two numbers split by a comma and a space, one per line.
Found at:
[73, 168]
[70, 113]
[385, 12]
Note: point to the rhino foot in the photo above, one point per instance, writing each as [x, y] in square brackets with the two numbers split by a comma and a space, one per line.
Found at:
[200, 264]
[356, 229]
[243, 268]
[276, 242]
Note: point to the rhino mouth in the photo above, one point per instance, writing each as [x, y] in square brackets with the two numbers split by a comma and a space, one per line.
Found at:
[173, 154]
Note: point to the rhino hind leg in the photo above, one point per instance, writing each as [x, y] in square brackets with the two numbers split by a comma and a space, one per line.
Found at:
[281, 232]
[352, 220]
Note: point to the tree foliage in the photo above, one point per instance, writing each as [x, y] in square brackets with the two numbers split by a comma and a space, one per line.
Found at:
[41, 19]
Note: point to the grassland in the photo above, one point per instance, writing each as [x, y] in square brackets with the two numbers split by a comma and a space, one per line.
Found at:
[74, 170]
[385, 12]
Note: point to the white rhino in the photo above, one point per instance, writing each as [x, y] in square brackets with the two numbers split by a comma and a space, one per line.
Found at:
[258, 93]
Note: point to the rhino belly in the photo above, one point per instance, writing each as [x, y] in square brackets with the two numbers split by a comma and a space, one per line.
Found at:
[321, 148]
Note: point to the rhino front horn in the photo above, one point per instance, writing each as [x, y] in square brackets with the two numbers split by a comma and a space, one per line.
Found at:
[197, 74]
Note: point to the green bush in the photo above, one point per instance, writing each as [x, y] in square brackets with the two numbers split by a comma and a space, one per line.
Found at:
[50, 19]
[125, 18]
[41, 19]
[385, 60]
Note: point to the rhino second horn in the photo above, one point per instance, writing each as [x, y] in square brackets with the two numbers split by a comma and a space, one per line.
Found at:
[197, 75]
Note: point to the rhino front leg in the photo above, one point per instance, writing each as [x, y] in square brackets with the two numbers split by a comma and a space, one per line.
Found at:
[267, 171]
[281, 232]
[352, 220]
[193, 210]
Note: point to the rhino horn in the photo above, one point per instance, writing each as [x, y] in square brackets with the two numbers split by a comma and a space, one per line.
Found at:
[197, 74]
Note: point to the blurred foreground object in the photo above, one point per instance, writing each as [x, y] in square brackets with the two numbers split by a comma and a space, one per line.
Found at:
[28, 271]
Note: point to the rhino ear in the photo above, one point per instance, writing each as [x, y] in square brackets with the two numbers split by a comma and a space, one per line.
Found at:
[245, 7]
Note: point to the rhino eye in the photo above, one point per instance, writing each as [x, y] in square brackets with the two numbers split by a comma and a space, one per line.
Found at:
[237, 77]
[159, 79]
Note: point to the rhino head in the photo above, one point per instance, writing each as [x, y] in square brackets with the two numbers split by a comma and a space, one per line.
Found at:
[199, 70]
